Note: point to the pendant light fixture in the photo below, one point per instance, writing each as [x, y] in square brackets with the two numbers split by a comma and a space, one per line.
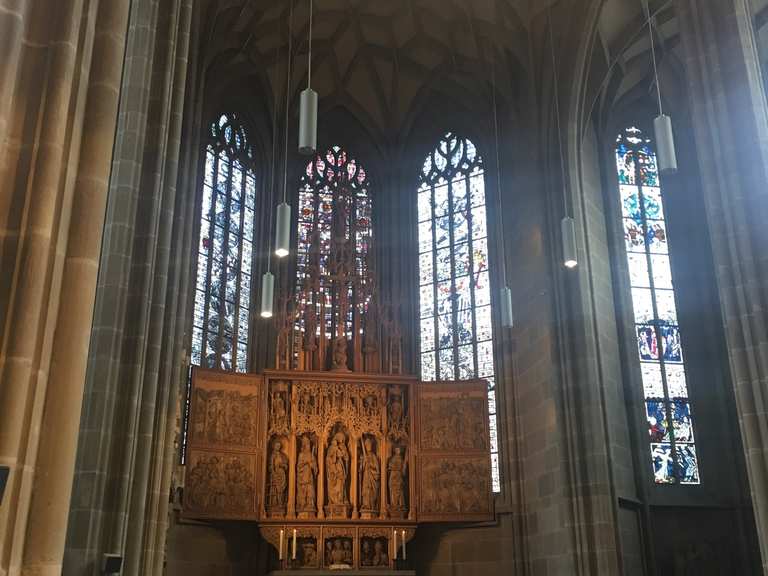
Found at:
[283, 221]
[308, 104]
[662, 124]
[567, 224]
[505, 295]
[267, 294]
[268, 279]
[568, 232]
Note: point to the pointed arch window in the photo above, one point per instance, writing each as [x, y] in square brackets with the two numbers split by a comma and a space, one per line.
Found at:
[223, 284]
[334, 207]
[668, 412]
[456, 337]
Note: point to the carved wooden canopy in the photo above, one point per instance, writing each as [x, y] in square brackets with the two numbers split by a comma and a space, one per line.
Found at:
[350, 461]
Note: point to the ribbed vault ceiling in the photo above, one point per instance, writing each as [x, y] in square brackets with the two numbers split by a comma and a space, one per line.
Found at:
[376, 55]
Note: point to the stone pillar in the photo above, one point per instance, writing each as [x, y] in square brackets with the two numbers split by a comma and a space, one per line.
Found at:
[731, 129]
[60, 89]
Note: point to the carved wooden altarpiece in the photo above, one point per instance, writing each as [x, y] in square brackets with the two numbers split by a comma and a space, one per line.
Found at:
[337, 446]
[349, 460]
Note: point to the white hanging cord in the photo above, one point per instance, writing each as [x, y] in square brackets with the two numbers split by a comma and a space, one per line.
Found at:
[309, 57]
[557, 110]
[274, 152]
[500, 221]
[287, 102]
[647, 9]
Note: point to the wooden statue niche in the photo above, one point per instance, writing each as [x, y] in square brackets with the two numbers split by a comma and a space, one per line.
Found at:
[374, 547]
[277, 477]
[278, 448]
[338, 466]
[397, 481]
[307, 553]
[306, 476]
[398, 433]
[369, 477]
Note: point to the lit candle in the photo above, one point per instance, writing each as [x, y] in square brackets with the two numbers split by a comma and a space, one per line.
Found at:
[280, 550]
[403, 538]
[394, 532]
[293, 551]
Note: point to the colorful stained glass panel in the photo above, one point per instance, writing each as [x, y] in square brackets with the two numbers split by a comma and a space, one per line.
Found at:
[663, 463]
[659, 346]
[221, 327]
[656, 413]
[647, 344]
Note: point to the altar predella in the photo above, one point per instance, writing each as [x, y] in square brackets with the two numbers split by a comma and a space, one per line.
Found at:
[336, 454]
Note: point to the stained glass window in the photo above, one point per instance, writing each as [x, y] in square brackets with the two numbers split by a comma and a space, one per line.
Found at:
[659, 344]
[455, 295]
[223, 284]
[334, 194]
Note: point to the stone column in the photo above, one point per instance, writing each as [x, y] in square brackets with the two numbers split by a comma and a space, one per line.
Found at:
[731, 129]
[44, 548]
[60, 88]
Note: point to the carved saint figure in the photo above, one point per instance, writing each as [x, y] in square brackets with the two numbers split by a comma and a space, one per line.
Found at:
[337, 469]
[309, 557]
[307, 471]
[340, 353]
[380, 557]
[371, 477]
[397, 469]
[278, 415]
[338, 556]
[396, 412]
[278, 476]
[366, 556]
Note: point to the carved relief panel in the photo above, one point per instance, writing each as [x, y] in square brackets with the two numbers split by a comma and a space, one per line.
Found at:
[454, 457]
[221, 475]
[343, 438]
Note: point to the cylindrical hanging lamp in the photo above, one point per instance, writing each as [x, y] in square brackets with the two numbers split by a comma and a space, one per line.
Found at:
[568, 231]
[308, 102]
[665, 144]
[507, 319]
[308, 121]
[267, 294]
[662, 126]
[283, 230]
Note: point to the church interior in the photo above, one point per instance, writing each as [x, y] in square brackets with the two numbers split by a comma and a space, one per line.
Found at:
[416, 287]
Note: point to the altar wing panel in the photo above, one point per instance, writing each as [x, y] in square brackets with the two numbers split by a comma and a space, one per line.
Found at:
[224, 446]
[454, 460]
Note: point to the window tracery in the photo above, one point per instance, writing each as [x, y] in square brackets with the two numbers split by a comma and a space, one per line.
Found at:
[221, 318]
[456, 328]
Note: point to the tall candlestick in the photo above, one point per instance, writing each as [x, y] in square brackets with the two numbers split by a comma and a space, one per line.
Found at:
[280, 550]
[293, 551]
[394, 533]
[405, 557]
